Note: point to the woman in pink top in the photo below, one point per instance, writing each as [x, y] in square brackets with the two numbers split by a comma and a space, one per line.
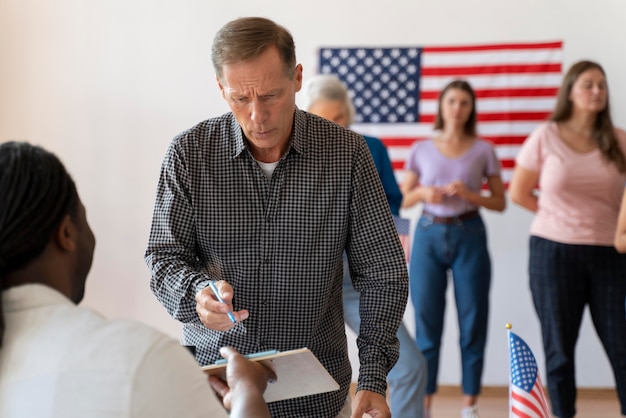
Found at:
[620, 234]
[577, 159]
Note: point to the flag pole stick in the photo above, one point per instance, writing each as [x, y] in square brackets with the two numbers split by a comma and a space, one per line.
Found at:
[508, 344]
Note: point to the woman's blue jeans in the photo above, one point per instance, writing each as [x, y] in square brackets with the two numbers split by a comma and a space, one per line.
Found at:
[460, 249]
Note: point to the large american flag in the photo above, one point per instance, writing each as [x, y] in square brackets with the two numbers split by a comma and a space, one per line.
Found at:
[527, 397]
[395, 90]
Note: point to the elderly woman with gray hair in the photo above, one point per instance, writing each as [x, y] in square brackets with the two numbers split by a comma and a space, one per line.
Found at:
[328, 97]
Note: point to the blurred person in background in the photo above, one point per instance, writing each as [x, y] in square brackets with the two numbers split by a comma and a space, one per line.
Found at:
[577, 159]
[446, 174]
[328, 97]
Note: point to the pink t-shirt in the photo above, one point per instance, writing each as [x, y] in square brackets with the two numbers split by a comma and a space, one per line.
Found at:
[580, 193]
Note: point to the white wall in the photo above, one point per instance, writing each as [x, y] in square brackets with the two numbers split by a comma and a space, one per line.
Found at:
[107, 83]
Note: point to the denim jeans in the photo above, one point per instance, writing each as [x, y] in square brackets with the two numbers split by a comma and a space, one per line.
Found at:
[564, 279]
[407, 379]
[459, 249]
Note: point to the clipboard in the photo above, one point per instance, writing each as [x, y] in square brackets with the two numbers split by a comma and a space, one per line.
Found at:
[298, 373]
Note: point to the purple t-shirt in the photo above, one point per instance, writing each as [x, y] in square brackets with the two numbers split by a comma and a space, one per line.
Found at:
[435, 169]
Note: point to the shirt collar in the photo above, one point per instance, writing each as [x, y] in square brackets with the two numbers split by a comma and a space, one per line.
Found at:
[298, 141]
[32, 295]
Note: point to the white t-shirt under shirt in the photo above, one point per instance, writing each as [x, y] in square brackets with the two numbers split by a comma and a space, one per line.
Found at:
[580, 193]
[59, 360]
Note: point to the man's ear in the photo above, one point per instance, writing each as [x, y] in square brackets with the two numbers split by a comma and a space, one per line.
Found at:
[219, 84]
[65, 234]
[298, 77]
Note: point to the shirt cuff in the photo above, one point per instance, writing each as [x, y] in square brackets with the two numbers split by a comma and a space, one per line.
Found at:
[201, 285]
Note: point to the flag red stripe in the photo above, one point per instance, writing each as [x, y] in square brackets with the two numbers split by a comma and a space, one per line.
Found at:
[486, 117]
[504, 162]
[507, 92]
[524, 401]
[519, 413]
[400, 141]
[505, 140]
[496, 140]
[507, 162]
[544, 45]
[491, 69]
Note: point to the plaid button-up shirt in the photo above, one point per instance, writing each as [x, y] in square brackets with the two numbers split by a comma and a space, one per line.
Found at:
[279, 243]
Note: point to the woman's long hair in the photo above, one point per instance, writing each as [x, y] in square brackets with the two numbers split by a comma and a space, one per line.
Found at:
[603, 130]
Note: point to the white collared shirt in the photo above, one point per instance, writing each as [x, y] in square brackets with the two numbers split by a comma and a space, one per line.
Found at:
[59, 360]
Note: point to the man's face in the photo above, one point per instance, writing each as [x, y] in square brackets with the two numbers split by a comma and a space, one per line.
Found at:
[263, 99]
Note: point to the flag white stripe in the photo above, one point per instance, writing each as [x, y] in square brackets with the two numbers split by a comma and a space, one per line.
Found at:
[499, 57]
[420, 130]
[478, 82]
[504, 104]
[423, 130]
[506, 128]
[507, 174]
[504, 152]
[398, 153]
[507, 152]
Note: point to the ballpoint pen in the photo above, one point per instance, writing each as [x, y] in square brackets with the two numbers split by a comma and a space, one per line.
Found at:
[216, 292]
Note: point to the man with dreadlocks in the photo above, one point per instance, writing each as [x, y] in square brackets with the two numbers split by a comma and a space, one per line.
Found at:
[59, 360]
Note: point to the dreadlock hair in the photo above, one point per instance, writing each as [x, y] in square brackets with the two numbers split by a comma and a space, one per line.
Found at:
[36, 193]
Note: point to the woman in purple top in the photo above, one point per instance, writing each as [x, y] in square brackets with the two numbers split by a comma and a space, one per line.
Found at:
[446, 174]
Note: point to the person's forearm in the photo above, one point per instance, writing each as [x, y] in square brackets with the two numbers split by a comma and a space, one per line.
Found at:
[497, 203]
[620, 241]
[412, 197]
[247, 402]
[529, 202]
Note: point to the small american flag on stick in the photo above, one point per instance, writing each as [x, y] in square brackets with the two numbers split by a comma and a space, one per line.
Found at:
[527, 397]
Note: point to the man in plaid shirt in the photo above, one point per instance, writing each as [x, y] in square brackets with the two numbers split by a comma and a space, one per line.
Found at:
[264, 200]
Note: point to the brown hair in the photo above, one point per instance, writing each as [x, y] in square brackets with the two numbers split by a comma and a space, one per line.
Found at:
[603, 131]
[248, 37]
[470, 124]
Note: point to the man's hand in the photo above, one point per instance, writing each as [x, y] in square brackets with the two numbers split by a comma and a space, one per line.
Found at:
[370, 403]
[213, 313]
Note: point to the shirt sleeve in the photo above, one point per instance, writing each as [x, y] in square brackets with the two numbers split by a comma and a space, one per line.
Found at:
[176, 274]
[411, 163]
[529, 156]
[379, 274]
[493, 167]
[169, 383]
